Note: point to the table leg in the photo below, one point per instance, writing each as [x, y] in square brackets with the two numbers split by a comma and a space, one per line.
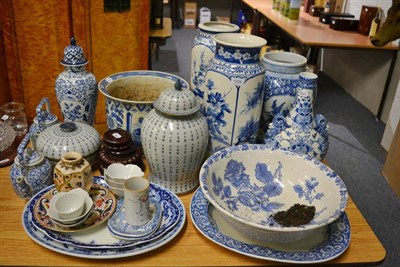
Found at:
[387, 84]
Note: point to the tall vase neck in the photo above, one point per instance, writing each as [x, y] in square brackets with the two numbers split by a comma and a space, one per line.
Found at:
[238, 55]
[75, 69]
[302, 109]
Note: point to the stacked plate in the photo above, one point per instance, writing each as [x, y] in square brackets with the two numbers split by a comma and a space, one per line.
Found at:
[93, 239]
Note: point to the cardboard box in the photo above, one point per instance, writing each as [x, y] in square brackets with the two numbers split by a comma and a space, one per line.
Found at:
[190, 15]
[205, 15]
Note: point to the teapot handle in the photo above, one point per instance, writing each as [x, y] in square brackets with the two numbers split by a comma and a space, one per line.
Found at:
[42, 114]
[21, 152]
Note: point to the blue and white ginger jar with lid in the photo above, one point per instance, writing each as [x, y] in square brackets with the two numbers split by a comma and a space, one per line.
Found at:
[175, 138]
[299, 131]
[76, 88]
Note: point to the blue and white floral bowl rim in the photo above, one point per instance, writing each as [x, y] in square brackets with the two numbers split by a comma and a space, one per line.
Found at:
[247, 147]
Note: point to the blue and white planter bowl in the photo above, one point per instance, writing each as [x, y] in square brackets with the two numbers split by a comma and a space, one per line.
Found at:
[281, 83]
[234, 90]
[130, 96]
[248, 184]
[203, 51]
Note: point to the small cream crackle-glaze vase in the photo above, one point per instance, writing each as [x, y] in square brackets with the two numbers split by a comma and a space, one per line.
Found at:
[300, 132]
[175, 139]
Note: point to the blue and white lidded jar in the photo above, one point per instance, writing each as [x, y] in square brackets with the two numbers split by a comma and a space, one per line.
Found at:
[203, 51]
[234, 90]
[299, 131]
[76, 88]
[175, 138]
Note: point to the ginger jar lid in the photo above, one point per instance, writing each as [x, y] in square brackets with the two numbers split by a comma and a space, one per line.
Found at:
[64, 137]
[177, 101]
[73, 55]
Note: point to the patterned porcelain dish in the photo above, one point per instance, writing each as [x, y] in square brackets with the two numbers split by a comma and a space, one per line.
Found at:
[104, 206]
[249, 184]
[122, 230]
[101, 238]
[130, 96]
[330, 243]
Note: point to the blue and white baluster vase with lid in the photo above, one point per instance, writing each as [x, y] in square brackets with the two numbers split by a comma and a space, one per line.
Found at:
[234, 90]
[203, 51]
[76, 88]
[300, 131]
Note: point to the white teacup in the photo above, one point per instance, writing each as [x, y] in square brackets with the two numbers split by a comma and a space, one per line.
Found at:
[69, 205]
[136, 201]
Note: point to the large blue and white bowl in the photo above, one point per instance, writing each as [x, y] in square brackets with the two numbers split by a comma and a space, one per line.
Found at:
[130, 96]
[248, 184]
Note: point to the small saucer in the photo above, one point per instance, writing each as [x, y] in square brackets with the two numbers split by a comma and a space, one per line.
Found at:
[122, 230]
[79, 222]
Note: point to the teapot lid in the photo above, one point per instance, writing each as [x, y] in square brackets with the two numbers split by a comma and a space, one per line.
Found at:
[177, 101]
[57, 139]
[73, 55]
[30, 157]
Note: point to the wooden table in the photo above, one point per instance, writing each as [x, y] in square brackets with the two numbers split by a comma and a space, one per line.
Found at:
[159, 36]
[308, 31]
[189, 248]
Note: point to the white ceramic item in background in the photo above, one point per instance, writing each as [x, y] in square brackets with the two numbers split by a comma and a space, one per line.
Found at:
[175, 138]
[136, 201]
[69, 205]
[234, 90]
[203, 50]
[119, 173]
[130, 95]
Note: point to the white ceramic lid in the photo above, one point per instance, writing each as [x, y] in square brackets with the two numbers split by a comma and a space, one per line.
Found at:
[177, 101]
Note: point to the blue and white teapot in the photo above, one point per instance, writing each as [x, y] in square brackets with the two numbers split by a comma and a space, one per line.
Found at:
[31, 171]
[299, 131]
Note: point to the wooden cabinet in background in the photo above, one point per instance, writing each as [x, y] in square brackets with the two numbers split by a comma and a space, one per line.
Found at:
[35, 34]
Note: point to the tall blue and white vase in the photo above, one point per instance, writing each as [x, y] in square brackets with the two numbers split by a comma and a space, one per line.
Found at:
[234, 89]
[203, 51]
[281, 84]
[300, 131]
[76, 88]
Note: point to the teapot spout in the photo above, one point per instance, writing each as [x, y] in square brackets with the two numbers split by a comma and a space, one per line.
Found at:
[23, 189]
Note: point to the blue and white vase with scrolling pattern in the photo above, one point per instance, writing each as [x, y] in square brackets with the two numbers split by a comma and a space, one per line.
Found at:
[76, 88]
[203, 51]
[234, 90]
[299, 131]
[281, 84]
